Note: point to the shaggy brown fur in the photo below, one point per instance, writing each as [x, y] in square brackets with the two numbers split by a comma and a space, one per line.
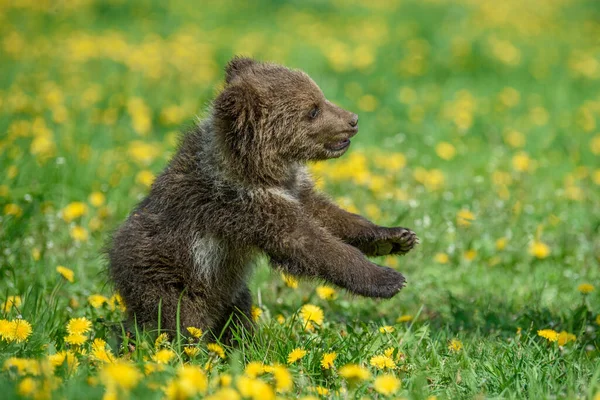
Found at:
[238, 187]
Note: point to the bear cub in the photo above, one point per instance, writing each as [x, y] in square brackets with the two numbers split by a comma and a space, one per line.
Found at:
[238, 187]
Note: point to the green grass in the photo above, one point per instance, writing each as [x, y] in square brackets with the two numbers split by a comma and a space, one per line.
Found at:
[93, 93]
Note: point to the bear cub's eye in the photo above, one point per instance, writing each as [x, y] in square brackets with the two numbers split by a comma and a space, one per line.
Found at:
[314, 112]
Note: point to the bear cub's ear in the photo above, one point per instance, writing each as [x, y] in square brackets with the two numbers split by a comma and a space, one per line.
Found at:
[236, 66]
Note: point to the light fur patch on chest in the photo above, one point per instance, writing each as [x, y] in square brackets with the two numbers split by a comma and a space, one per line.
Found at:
[210, 255]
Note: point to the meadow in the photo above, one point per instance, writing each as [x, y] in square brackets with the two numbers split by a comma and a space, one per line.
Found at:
[479, 129]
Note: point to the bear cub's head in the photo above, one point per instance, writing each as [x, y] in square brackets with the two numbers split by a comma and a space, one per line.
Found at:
[271, 113]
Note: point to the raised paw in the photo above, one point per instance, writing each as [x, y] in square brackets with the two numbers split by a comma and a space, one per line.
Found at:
[384, 283]
[391, 241]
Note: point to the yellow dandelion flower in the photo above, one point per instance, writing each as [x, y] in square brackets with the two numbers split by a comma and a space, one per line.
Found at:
[441, 258]
[283, 379]
[254, 389]
[382, 361]
[295, 355]
[565, 337]
[191, 351]
[585, 288]
[66, 273]
[470, 255]
[145, 178]
[311, 313]
[386, 385]
[116, 302]
[161, 340]
[195, 332]
[163, 356]
[455, 346]
[254, 369]
[445, 151]
[189, 382]
[521, 162]
[328, 359]
[290, 281]
[76, 339]
[215, 348]
[21, 330]
[97, 300]
[386, 329]
[404, 318]
[11, 301]
[74, 210]
[549, 334]
[326, 292]
[79, 233]
[598, 319]
[6, 330]
[501, 243]
[59, 359]
[389, 352]
[27, 387]
[100, 352]
[13, 209]
[256, 313]
[280, 319]
[539, 249]
[120, 375]
[225, 380]
[97, 199]
[224, 394]
[354, 372]
[79, 326]
[464, 217]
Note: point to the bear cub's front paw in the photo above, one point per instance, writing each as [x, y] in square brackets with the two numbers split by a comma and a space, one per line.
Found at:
[393, 241]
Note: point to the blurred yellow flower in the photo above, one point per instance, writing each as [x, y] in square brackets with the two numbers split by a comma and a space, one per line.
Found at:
[598, 319]
[367, 103]
[595, 145]
[311, 313]
[189, 382]
[66, 273]
[442, 258]
[74, 210]
[445, 150]
[76, 339]
[283, 378]
[585, 288]
[215, 348]
[161, 340]
[256, 313]
[254, 369]
[386, 329]
[464, 217]
[79, 326]
[548, 334]
[470, 255]
[514, 139]
[163, 356]
[11, 301]
[328, 359]
[455, 345]
[565, 337]
[354, 372]
[28, 387]
[13, 209]
[290, 281]
[191, 351]
[404, 318]
[382, 361]
[296, 355]
[386, 385]
[254, 388]
[521, 162]
[100, 352]
[145, 178]
[120, 374]
[326, 292]
[97, 199]
[97, 300]
[79, 233]
[195, 332]
[501, 243]
[539, 249]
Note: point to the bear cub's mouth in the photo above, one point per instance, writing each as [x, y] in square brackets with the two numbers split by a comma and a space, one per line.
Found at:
[337, 146]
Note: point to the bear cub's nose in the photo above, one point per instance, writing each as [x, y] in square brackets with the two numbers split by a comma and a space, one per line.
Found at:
[354, 120]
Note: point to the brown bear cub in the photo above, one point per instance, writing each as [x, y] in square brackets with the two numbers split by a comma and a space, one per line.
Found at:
[238, 187]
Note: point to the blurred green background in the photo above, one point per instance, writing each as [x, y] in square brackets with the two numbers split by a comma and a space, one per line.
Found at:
[479, 130]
